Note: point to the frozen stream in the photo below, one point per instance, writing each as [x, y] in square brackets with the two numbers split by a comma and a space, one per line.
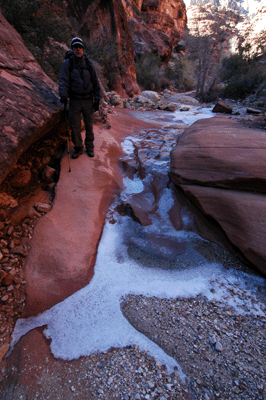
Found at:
[91, 320]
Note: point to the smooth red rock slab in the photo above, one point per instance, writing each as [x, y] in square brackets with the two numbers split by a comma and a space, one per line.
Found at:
[221, 152]
[64, 245]
[241, 215]
[220, 164]
[32, 372]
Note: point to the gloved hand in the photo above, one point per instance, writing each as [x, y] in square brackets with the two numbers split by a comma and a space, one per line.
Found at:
[63, 100]
[96, 106]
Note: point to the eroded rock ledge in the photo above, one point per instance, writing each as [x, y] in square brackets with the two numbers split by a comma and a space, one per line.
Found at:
[220, 165]
[29, 104]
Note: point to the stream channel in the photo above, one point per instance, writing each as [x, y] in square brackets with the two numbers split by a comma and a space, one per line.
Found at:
[153, 259]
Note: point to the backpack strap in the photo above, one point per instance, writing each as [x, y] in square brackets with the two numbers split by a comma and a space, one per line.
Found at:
[89, 66]
[71, 63]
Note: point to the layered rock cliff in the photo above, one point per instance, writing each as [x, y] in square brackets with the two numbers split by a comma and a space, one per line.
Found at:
[246, 7]
[253, 32]
[240, 30]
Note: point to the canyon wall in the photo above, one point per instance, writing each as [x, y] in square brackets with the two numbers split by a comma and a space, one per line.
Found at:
[136, 27]
[29, 104]
[240, 30]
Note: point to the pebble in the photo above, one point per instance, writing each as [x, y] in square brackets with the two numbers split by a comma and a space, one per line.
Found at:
[184, 328]
[218, 346]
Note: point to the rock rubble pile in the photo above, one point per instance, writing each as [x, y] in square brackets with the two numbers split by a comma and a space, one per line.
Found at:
[25, 195]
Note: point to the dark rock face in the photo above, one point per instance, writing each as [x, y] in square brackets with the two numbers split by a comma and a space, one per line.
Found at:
[220, 165]
[135, 26]
[29, 105]
[107, 19]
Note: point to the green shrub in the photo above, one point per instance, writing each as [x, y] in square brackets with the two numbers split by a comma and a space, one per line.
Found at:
[244, 76]
[242, 86]
[37, 21]
[234, 65]
[181, 74]
[148, 71]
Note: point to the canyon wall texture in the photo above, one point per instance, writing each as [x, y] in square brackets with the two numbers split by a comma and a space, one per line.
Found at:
[29, 104]
[136, 27]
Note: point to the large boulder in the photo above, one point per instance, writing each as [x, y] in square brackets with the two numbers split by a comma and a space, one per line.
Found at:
[29, 105]
[220, 165]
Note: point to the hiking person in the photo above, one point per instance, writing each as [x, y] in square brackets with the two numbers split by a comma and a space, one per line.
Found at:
[78, 81]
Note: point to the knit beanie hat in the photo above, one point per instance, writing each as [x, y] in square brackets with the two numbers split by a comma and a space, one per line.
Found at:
[77, 40]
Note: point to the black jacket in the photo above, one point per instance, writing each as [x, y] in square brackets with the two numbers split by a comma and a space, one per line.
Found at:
[77, 81]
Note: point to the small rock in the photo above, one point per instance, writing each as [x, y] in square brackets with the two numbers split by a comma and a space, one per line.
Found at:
[46, 160]
[7, 201]
[20, 250]
[10, 230]
[2, 215]
[21, 179]
[171, 107]
[213, 339]
[222, 107]
[8, 280]
[42, 207]
[48, 172]
[3, 350]
[253, 111]
[3, 274]
[152, 96]
[218, 346]
[116, 100]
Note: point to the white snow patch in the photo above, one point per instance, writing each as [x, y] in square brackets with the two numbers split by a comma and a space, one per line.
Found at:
[194, 114]
[91, 319]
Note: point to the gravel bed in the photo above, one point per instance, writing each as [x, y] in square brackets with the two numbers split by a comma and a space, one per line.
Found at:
[221, 352]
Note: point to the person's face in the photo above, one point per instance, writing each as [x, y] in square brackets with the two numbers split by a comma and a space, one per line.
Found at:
[78, 50]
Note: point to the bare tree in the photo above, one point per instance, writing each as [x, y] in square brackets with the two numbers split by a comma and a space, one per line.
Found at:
[206, 45]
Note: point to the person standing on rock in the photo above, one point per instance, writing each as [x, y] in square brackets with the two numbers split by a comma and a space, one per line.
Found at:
[78, 81]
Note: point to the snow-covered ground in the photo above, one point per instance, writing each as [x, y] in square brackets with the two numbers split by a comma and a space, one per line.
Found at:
[91, 320]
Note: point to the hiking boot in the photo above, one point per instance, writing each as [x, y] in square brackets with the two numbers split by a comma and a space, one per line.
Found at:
[77, 153]
[90, 152]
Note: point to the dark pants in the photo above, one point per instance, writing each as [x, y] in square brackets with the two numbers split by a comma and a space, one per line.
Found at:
[76, 108]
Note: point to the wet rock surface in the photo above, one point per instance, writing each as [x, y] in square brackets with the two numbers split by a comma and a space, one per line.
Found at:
[220, 349]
